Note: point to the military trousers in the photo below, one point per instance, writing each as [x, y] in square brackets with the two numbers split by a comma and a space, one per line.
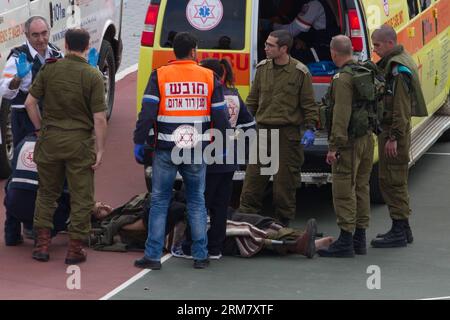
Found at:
[351, 174]
[393, 176]
[65, 154]
[286, 179]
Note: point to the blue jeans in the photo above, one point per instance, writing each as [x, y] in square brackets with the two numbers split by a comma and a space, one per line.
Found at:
[163, 177]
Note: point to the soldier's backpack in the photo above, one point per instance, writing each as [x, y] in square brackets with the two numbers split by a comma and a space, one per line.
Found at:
[108, 234]
[368, 100]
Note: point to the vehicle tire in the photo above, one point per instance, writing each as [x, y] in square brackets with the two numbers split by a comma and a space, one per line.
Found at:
[6, 148]
[375, 193]
[107, 66]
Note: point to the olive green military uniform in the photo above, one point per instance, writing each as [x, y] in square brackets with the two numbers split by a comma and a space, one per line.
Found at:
[404, 99]
[72, 91]
[351, 171]
[281, 98]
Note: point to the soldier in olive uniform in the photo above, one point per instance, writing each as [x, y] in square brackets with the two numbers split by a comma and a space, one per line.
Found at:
[404, 98]
[280, 98]
[74, 107]
[351, 156]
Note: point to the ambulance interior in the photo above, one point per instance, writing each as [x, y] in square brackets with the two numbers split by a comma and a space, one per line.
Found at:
[348, 20]
[344, 13]
[347, 17]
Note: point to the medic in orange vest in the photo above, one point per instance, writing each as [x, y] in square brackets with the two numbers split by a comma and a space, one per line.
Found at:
[182, 100]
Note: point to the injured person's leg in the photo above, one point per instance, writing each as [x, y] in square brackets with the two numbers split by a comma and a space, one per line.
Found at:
[324, 242]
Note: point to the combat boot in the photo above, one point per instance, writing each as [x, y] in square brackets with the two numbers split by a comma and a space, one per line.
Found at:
[359, 241]
[75, 253]
[305, 244]
[341, 248]
[43, 239]
[408, 231]
[396, 237]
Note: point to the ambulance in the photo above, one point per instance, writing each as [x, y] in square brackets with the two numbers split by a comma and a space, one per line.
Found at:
[101, 18]
[232, 29]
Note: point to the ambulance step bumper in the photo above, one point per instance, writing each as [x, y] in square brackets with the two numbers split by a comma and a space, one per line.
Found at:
[428, 133]
[317, 178]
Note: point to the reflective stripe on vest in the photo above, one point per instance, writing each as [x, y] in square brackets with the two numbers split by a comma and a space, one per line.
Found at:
[185, 99]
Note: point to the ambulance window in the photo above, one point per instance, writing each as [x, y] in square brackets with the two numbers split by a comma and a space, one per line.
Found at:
[413, 8]
[228, 33]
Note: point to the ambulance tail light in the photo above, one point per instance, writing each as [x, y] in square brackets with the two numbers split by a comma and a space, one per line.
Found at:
[355, 30]
[148, 35]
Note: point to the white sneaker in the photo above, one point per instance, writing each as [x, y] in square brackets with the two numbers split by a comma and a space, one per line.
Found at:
[215, 257]
[177, 251]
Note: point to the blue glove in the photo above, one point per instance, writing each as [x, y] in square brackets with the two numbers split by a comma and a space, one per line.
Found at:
[93, 57]
[139, 153]
[308, 138]
[23, 66]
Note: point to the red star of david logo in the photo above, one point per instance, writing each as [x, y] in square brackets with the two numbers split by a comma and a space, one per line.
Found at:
[204, 11]
[27, 159]
[186, 137]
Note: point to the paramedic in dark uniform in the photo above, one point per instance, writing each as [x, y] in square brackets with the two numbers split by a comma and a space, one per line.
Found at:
[74, 109]
[21, 69]
[20, 195]
[315, 25]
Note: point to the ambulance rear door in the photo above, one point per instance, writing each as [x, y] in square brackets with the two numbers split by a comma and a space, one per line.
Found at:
[222, 28]
[13, 15]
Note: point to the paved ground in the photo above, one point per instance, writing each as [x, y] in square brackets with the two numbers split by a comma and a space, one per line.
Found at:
[118, 179]
[133, 24]
[422, 270]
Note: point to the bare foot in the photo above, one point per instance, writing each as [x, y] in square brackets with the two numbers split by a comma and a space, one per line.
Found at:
[324, 242]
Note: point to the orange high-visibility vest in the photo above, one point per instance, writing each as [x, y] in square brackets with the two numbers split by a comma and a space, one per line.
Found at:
[185, 89]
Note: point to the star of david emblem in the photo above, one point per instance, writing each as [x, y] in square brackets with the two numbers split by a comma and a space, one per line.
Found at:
[204, 11]
[27, 158]
[186, 136]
